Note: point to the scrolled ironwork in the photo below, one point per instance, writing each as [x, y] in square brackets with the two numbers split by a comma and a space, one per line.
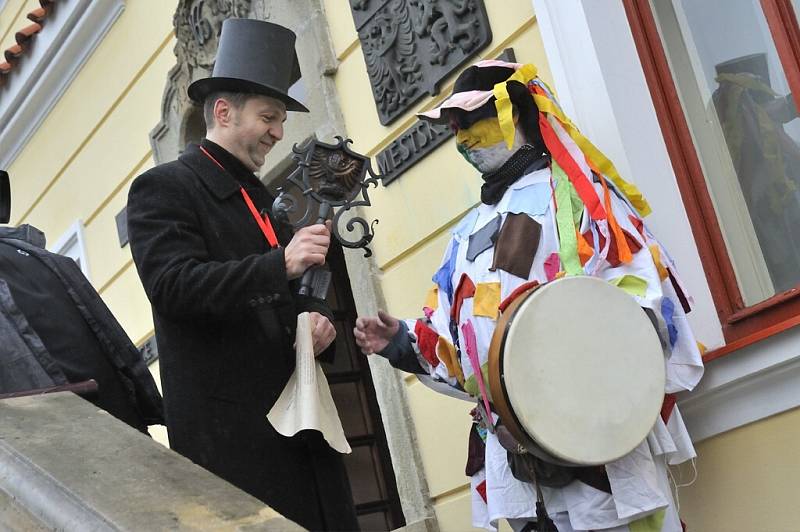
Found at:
[333, 180]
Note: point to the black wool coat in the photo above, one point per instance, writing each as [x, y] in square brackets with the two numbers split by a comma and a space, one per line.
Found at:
[224, 317]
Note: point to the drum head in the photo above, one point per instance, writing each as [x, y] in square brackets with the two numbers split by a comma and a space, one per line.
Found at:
[583, 370]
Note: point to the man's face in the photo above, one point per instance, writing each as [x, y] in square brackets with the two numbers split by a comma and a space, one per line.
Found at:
[483, 146]
[255, 128]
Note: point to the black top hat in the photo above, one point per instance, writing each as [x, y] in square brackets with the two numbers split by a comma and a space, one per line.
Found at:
[755, 64]
[256, 57]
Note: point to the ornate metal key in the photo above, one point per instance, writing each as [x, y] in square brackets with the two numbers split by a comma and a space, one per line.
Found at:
[328, 176]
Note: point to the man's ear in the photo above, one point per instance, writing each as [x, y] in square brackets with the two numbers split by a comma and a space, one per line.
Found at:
[223, 111]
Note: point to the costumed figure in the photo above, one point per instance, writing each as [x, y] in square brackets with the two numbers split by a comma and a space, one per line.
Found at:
[552, 207]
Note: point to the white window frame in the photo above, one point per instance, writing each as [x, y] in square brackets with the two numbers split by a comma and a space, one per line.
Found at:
[73, 244]
[68, 37]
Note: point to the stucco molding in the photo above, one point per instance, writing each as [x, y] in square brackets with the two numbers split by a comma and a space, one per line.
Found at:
[66, 42]
[746, 386]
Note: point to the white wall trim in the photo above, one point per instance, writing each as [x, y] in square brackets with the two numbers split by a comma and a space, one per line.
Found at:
[73, 244]
[754, 383]
[68, 37]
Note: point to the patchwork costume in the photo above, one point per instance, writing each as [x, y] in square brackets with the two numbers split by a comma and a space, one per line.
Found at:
[569, 213]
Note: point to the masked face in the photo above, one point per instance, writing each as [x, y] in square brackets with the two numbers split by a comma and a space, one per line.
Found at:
[483, 146]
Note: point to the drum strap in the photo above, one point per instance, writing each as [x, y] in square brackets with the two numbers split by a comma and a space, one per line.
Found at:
[543, 521]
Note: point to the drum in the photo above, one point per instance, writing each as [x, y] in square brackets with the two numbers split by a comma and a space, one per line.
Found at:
[576, 371]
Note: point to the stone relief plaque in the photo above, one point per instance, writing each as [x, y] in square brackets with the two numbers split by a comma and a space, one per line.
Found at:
[410, 46]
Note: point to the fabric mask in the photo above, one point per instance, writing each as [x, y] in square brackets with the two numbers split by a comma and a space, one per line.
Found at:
[483, 146]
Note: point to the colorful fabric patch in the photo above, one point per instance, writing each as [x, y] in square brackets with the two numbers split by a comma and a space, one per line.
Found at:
[476, 452]
[432, 298]
[471, 385]
[487, 299]
[552, 265]
[667, 406]
[652, 523]
[481, 489]
[447, 354]
[426, 341]
[483, 239]
[516, 245]
[444, 276]
[668, 312]
[613, 252]
[639, 225]
[465, 289]
[471, 342]
[656, 253]
[679, 292]
[585, 251]
[633, 284]
[516, 293]
[533, 200]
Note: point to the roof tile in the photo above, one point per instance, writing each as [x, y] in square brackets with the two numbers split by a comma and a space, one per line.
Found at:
[38, 14]
[23, 35]
[14, 53]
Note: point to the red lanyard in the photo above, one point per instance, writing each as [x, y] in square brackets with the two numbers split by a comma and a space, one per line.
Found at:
[263, 222]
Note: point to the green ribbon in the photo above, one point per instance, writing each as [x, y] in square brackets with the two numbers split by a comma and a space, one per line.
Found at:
[566, 213]
[652, 523]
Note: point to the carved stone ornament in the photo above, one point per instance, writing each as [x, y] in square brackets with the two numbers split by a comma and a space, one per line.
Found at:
[410, 46]
[198, 24]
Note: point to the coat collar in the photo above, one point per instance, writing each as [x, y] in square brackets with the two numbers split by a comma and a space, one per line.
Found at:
[26, 233]
[219, 182]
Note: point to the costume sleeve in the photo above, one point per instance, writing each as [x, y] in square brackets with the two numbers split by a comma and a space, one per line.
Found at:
[400, 352]
[431, 339]
[178, 275]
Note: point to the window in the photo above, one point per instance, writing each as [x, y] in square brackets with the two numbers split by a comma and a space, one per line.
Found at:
[72, 244]
[725, 83]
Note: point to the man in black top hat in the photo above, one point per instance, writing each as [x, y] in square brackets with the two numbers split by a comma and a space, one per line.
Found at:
[221, 276]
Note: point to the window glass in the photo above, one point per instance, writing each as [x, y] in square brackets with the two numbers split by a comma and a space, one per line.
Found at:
[744, 124]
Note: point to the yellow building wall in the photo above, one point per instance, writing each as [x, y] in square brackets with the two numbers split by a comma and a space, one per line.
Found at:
[416, 213]
[747, 479]
[80, 162]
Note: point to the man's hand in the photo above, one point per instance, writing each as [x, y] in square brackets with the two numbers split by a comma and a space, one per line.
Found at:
[308, 247]
[373, 334]
[323, 333]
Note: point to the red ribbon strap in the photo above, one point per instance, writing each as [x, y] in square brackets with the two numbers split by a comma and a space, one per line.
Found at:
[263, 221]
